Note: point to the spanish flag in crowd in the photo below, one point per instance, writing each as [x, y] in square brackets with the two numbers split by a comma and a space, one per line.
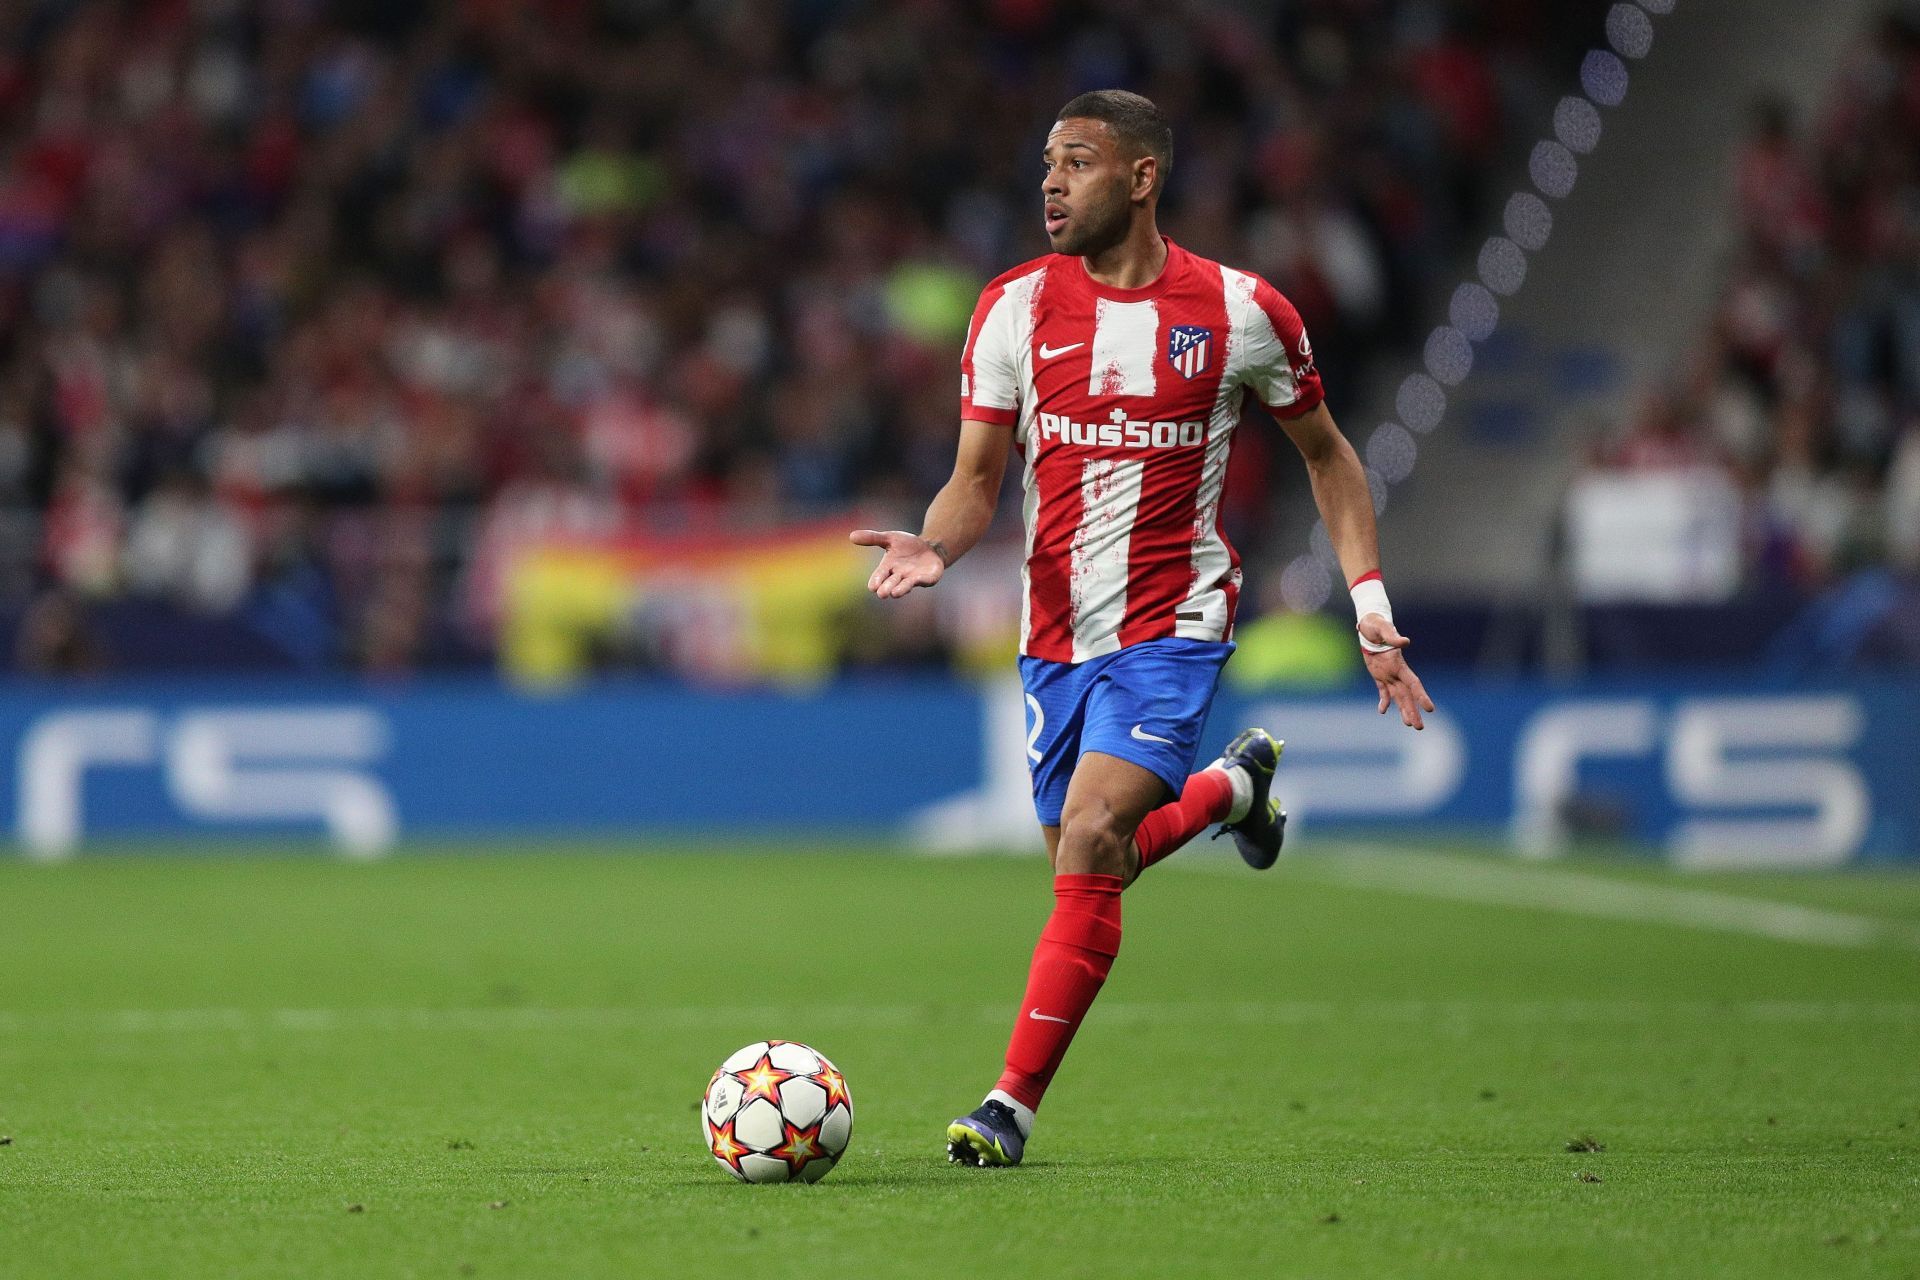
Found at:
[723, 605]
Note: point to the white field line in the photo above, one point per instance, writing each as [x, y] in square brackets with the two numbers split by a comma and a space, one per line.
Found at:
[1533, 887]
[491, 1020]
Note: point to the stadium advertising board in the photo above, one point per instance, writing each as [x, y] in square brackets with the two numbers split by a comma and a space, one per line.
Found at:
[1713, 777]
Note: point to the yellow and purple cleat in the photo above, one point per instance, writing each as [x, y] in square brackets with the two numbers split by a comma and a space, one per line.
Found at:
[1260, 834]
[988, 1137]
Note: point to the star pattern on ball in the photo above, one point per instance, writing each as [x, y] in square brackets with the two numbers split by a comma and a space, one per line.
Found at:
[728, 1149]
[763, 1080]
[836, 1086]
[797, 1146]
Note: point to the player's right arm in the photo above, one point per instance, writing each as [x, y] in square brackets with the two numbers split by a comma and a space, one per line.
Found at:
[989, 410]
[957, 519]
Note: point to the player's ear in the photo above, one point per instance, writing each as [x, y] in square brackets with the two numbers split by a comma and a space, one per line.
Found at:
[1146, 176]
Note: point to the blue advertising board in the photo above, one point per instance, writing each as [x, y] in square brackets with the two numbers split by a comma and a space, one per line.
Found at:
[1724, 775]
[1728, 775]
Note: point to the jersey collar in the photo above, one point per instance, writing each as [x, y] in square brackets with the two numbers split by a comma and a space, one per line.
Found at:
[1152, 289]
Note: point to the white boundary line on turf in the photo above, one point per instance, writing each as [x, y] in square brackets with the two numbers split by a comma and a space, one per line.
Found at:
[1530, 886]
[492, 1021]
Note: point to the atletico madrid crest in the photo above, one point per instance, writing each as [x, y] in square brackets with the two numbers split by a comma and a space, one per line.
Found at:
[1189, 349]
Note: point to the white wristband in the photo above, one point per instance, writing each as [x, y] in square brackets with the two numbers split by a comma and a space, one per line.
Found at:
[1370, 596]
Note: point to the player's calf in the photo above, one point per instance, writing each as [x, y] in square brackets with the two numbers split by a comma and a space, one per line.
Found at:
[1208, 797]
[1074, 955]
[1235, 791]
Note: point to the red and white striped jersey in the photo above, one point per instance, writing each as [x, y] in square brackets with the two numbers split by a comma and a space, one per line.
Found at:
[1123, 404]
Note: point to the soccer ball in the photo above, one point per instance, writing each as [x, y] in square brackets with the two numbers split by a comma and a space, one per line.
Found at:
[777, 1111]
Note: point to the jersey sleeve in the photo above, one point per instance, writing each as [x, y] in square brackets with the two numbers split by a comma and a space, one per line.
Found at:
[1279, 359]
[989, 378]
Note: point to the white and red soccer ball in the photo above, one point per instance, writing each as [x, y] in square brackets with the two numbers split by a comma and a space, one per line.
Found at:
[777, 1111]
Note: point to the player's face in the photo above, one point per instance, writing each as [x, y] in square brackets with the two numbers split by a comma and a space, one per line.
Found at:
[1087, 187]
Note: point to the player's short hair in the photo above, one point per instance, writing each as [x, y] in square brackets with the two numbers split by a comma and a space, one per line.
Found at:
[1136, 122]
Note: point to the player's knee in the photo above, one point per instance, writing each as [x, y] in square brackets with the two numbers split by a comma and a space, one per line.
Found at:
[1093, 841]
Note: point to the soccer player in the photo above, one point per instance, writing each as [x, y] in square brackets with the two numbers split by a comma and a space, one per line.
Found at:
[1117, 365]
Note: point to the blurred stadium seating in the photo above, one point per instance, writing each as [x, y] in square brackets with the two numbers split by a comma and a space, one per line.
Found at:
[315, 315]
[1796, 413]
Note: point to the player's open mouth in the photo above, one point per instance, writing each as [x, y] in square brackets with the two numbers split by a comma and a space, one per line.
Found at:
[1056, 218]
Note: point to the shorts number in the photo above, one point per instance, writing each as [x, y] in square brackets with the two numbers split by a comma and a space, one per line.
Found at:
[1033, 735]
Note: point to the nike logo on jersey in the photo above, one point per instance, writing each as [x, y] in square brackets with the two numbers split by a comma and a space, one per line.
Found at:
[1048, 353]
[1038, 1016]
[1141, 735]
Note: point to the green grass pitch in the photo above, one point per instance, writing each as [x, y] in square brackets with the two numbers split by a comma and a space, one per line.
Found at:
[445, 1065]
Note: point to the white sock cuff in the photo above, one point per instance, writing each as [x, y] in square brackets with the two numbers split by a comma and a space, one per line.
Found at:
[1022, 1114]
[1242, 792]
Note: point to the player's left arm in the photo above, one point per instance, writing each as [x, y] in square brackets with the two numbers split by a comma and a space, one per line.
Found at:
[1346, 505]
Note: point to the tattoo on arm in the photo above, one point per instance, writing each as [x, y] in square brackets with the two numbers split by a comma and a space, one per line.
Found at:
[940, 549]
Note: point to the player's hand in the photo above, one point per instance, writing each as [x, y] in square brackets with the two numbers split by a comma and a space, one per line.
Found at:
[909, 561]
[1398, 685]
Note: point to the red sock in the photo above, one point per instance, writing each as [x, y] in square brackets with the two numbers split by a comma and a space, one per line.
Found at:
[1206, 799]
[1076, 950]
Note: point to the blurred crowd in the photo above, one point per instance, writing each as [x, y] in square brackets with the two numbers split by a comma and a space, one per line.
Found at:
[1805, 388]
[303, 305]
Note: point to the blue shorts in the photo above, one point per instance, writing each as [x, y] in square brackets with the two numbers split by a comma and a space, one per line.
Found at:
[1146, 704]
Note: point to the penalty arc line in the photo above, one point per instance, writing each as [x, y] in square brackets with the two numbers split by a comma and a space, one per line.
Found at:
[1580, 893]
